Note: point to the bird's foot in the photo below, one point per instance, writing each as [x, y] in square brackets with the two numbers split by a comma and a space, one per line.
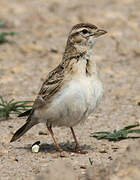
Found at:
[59, 150]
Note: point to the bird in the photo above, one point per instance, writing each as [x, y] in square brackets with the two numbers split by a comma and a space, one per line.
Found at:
[72, 90]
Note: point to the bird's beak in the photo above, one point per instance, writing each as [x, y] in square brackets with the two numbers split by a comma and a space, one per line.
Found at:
[99, 32]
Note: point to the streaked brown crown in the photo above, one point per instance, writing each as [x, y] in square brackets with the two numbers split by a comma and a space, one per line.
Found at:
[86, 25]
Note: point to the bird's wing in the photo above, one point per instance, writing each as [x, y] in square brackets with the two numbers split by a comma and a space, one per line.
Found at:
[50, 86]
[54, 82]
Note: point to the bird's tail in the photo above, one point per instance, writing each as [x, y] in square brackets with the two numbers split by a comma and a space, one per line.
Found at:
[22, 130]
[26, 113]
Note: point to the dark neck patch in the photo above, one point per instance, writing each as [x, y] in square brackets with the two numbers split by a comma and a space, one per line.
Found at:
[87, 64]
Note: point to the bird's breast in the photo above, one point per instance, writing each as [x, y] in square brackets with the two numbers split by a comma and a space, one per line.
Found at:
[75, 101]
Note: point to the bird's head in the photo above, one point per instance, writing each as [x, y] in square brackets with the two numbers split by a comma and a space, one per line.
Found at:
[84, 34]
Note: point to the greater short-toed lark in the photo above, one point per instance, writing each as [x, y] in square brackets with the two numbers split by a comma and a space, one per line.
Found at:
[72, 90]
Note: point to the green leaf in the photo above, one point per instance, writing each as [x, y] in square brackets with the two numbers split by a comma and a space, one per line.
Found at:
[116, 135]
[3, 36]
[131, 126]
[101, 132]
[134, 131]
[13, 107]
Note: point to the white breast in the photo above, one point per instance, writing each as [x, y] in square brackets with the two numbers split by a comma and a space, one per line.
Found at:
[74, 102]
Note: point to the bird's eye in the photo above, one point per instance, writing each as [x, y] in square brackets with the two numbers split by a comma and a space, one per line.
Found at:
[84, 31]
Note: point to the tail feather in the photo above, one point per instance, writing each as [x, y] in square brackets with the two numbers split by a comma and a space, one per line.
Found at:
[26, 113]
[22, 130]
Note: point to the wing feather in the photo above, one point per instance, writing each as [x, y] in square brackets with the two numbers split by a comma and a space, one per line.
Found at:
[51, 85]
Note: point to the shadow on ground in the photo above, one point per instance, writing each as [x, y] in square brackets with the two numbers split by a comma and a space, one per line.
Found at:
[50, 148]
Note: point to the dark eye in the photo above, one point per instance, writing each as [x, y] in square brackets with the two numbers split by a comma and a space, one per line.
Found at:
[84, 31]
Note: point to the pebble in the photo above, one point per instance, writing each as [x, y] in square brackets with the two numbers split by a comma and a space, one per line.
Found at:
[36, 147]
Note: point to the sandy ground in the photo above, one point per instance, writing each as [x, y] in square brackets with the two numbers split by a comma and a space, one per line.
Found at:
[43, 27]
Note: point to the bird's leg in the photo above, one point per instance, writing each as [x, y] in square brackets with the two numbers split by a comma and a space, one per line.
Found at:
[77, 147]
[54, 139]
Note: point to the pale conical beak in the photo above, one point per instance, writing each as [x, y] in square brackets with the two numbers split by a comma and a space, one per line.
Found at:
[100, 32]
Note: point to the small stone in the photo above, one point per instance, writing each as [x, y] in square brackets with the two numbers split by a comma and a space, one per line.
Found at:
[35, 148]
[54, 50]
[42, 133]
[110, 158]
[72, 154]
[16, 159]
[63, 154]
[103, 151]
[82, 167]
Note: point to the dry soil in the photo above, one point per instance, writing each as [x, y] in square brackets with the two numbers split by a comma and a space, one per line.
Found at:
[26, 59]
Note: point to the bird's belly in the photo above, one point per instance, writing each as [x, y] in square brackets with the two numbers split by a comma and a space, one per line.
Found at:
[74, 102]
